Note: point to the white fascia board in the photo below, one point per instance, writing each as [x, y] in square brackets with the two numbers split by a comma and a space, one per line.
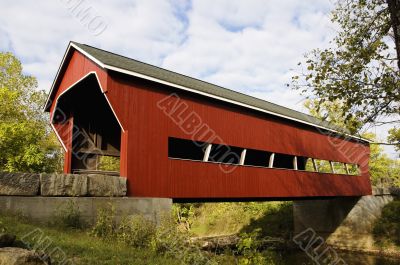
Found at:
[132, 73]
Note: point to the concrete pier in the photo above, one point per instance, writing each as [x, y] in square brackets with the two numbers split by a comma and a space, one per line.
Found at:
[44, 209]
[345, 222]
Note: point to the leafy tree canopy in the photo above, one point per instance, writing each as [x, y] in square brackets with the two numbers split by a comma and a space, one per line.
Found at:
[26, 142]
[359, 69]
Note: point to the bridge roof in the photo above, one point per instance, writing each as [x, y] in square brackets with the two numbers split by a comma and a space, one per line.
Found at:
[119, 63]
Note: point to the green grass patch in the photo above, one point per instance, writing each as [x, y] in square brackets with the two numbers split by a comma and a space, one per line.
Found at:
[386, 229]
[83, 248]
[213, 219]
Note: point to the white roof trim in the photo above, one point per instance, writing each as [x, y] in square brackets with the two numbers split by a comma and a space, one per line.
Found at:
[70, 87]
[117, 69]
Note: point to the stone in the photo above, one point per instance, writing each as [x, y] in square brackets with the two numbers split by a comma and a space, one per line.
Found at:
[19, 184]
[106, 186]
[63, 185]
[20, 256]
[6, 240]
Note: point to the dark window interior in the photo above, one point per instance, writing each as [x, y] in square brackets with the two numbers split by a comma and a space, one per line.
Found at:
[301, 162]
[257, 158]
[283, 161]
[185, 149]
[225, 154]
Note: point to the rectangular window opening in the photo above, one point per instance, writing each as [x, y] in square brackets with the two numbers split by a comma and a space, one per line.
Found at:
[353, 169]
[257, 158]
[283, 161]
[309, 166]
[339, 168]
[302, 162]
[225, 154]
[323, 166]
[185, 149]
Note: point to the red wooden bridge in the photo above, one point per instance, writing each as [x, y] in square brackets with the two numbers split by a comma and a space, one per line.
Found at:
[177, 137]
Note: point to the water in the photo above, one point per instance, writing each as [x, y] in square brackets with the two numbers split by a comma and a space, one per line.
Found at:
[300, 258]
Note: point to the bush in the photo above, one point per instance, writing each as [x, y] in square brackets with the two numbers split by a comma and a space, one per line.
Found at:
[172, 242]
[249, 249]
[387, 227]
[136, 231]
[105, 226]
[69, 216]
[3, 228]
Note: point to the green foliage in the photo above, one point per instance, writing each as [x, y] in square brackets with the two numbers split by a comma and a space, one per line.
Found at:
[109, 163]
[26, 141]
[184, 214]
[105, 226]
[3, 229]
[173, 242]
[387, 228]
[249, 249]
[83, 249]
[136, 231]
[380, 165]
[359, 69]
[394, 137]
[69, 216]
[213, 219]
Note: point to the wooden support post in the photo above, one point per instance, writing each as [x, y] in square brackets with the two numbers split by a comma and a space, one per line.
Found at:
[315, 165]
[346, 168]
[242, 157]
[207, 153]
[332, 167]
[271, 160]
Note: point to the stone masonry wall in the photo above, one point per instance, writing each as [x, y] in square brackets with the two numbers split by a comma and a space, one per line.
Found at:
[61, 185]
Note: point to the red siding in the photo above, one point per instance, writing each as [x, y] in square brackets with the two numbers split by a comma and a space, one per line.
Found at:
[151, 173]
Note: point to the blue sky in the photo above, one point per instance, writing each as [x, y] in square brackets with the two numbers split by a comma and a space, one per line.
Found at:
[251, 46]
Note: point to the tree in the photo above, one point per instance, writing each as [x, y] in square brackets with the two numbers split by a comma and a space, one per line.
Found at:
[394, 10]
[361, 67]
[26, 142]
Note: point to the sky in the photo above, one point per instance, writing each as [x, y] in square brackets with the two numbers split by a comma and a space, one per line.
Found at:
[250, 46]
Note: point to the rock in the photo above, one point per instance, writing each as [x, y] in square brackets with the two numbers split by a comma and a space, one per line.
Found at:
[106, 186]
[20, 256]
[19, 184]
[63, 185]
[6, 240]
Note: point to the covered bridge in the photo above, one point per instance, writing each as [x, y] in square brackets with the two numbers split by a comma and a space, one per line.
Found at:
[174, 136]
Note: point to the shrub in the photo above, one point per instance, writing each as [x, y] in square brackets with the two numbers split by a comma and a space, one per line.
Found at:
[387, 227]
[249, 249]
[136, 231]
[105, 226]
[3, 228]
[172, 242]
[184, 214]
[69, 216]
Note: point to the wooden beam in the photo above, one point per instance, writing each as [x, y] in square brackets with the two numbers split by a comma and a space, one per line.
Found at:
[295, 166]
[271, 160]
[207, 153]
[332, 167]
[242, 157]
[315, 165]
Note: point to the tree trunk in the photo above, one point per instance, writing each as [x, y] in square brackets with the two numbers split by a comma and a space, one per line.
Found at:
[394, 9]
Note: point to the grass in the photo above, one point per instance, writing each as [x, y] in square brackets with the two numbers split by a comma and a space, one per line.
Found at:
[85, 249]
[82, 246]
[386, 229]
[213, 219]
